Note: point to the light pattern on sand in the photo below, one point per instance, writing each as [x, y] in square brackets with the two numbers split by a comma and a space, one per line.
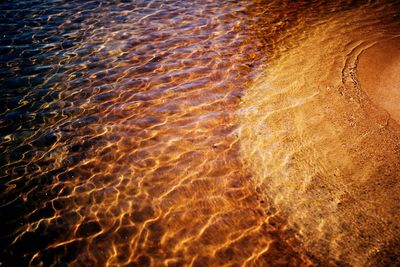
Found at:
[325, 153]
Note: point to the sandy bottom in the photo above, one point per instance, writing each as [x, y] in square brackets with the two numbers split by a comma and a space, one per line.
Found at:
[327, 153]
[379, 75]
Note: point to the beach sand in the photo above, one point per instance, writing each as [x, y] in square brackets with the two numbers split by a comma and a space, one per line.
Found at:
[379, 75]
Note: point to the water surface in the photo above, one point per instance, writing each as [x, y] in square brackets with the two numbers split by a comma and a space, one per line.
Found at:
[129, 135]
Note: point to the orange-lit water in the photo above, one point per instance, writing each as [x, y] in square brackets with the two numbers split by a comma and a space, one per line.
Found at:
[120, 129]
[119, 142]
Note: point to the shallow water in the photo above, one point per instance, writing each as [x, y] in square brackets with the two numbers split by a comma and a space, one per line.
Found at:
[324, 150]
[129, 135]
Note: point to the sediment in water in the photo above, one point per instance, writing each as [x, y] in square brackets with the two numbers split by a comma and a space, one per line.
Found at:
[321, 148]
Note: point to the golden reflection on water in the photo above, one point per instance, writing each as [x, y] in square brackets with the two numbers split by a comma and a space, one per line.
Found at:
[122, 133]
[120, 139]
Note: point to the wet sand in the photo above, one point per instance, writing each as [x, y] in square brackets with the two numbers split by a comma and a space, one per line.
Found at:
[379, 74]
[327, 153]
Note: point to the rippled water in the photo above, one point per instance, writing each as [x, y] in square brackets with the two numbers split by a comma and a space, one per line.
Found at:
[129, 137]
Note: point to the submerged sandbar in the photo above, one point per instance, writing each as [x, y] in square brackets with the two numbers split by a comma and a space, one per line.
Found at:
[379, 74]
